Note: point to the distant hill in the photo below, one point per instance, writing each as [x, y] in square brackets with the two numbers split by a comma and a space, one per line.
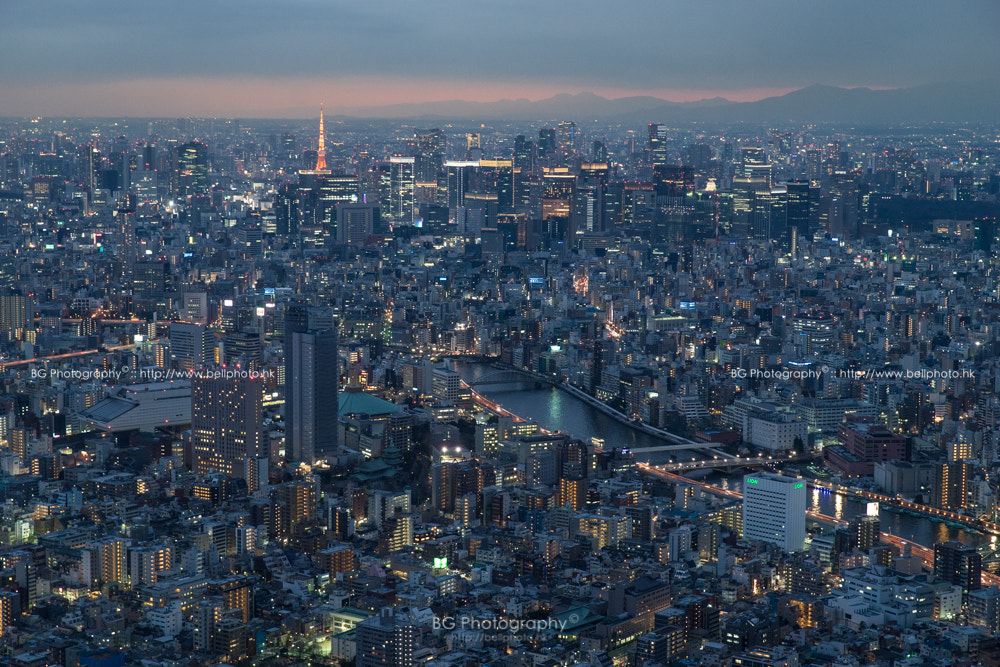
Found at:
[953, 102]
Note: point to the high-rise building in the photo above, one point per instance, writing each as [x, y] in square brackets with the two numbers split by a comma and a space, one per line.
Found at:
[459, 176]
[567, 137]
[774, 510]
[311, 384]
[382, 505]
[430, 150]
[866, 531]
[656, 143]
[572, 493]
[356, 222]
[127, 252]
[226, 422]
[297, 505]
[331, 191]
[15, 315]
[207, 614]
[498, 176]
[104, 562]
[958, 564]
[546, 141]
[523, 153]
[188, 345]
[951, 485]
[385, 640]
[797, 216]
[453, 479]
[984, 608]
[401, 185]
[192, 169]
[558, 190]
[146, 561]
[446, 384]
[151, 280]
[10, 607]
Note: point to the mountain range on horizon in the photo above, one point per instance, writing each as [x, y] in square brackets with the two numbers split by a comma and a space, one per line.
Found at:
[945, 102]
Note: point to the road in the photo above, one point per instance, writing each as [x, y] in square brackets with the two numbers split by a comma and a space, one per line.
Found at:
[925, 554]
[67, 355]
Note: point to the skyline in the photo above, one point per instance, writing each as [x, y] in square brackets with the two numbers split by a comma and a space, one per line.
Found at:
[224, 59]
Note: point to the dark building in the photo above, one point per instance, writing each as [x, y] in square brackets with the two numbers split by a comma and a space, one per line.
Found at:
[958, 564]
[192, 170]
[311, 383]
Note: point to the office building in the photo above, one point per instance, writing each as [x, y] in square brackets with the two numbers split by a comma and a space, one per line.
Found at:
[774, 510]
[226, 422]
[356, 222]
[459, 175]
[311, 384]
[446, 384]
[191, 175]
[401, 186]
[189, 345]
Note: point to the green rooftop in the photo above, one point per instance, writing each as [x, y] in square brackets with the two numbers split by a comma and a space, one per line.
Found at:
[358, 402]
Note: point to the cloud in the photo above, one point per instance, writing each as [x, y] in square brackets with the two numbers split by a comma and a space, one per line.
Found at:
[633, 44]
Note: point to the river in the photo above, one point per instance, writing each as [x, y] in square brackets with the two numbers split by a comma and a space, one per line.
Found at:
[557, 410]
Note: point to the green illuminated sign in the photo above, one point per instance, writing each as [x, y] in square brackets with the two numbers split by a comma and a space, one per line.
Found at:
[752, 481]
[799, 485]
[440, 563]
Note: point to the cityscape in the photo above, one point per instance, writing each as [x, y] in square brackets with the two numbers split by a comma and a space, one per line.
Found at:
[605, 367]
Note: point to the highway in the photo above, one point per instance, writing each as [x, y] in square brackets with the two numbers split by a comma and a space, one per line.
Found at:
[729, 462]
[59, 357]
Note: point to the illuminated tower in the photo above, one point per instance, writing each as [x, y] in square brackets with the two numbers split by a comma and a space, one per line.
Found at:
[321, 153]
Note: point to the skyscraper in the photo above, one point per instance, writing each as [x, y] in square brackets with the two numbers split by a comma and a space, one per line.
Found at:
[331, 191]
[459, 177]
[125, 219]
[430, 145]
[192, 169]
[356, 222]
[226, 422]
[797, 216]
[401, 184]
[546, 141]
[774, 510]
[311, 382]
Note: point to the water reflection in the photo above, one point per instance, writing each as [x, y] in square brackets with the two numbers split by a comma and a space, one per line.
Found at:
[557, 410]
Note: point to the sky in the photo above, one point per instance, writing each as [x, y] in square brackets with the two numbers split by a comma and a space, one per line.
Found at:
[281, 58]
